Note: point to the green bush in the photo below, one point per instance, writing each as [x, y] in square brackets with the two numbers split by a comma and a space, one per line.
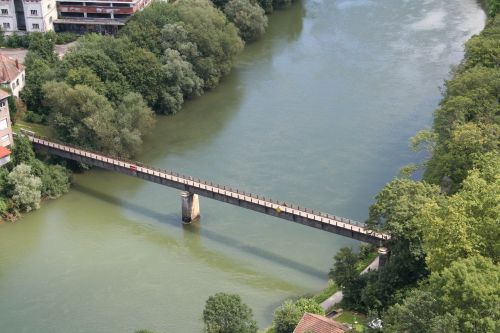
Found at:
[288, 315]
[249, 18]
[226, 313]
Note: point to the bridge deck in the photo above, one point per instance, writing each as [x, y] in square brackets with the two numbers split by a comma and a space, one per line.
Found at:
[331, 223]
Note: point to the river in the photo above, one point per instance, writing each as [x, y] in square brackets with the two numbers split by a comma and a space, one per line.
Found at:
[318, 112]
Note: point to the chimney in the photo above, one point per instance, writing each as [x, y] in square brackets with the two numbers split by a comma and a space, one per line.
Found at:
[17, 63]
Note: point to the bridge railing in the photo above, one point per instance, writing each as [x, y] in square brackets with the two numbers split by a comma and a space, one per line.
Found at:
[126, 163]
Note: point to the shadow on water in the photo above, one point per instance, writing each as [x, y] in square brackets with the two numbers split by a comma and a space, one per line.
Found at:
[193, 233]
[202, 119]
[197, 124]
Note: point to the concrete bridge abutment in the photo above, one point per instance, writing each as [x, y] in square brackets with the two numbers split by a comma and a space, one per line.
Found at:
[383, 254]
[190, 207]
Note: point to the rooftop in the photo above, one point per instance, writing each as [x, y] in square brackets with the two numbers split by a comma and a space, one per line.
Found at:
[9, 69]
[4, 152]
[318, 324]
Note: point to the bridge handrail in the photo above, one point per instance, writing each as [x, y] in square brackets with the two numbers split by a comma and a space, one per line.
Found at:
[282, 205]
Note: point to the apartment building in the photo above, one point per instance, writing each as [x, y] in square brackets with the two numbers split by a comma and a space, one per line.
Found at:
[5, 128]
[27, 15]
[101, 16]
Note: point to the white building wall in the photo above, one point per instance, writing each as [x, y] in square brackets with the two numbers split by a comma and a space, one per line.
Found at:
[18, 84]
[33, 16]
[39, 15]
[8, 21]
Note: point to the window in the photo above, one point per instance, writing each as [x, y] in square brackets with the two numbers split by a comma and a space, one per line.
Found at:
[50, 19]
[34, 12]
[36, 26]
[3, 124]
[2, 104]
[17, 81]
[6, 25]
[23, 77]
[13, 85]
[5, 11]
[48, 6]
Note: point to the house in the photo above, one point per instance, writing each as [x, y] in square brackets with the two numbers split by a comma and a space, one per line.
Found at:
[27, 15]
[313, 323]
[105, 16]
[12, 75]
[5, 128]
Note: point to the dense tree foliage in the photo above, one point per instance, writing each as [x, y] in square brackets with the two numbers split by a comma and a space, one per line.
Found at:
[467, 222]
[25, 188]
[446, 225]
[26, 180]
[167, 53]
[288, 315]
[345, 267]
[248, 17]
[83, 117]
[226, 313]
[462, 298]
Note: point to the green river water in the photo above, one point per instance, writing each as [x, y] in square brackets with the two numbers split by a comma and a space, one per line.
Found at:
[318, 113]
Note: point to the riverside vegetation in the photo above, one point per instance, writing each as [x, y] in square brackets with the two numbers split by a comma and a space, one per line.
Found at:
[443, 274]
[103, 95]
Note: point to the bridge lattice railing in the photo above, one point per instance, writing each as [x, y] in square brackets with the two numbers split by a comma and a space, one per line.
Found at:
[84, 150]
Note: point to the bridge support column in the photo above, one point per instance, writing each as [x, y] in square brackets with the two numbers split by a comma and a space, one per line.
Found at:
[383, 254]
[190, 207]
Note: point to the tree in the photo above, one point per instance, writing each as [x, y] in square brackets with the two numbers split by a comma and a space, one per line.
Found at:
[179, 81]
[216, 39]
[288, 315]
[25, 188]
[83, 117]
[100, 64]
[466, 223]
[226, 313]
[461, 298]
[55, 181]
[85, 76]
[249, 18]
[42, 45]
[394, 211]
[38, 71]
[345, 267]
[22, 151]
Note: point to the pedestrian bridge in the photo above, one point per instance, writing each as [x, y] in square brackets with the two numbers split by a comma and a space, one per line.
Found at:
[192, 187]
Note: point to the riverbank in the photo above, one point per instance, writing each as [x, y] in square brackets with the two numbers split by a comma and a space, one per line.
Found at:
[302, 117]
[84, 90]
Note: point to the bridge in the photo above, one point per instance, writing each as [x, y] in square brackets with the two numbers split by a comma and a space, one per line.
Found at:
[192, 188]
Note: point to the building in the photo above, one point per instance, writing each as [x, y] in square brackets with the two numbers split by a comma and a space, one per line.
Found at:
[5, 128]
[313, 323]
[12, 75]
[100, 16]
[27, 15]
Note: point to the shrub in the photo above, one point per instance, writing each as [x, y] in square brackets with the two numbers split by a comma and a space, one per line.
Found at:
[288, 315]
[26, 188]
[226, 313]
[249, 18]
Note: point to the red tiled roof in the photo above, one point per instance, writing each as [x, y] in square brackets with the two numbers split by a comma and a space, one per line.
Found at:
[9, 69]
[318, 324]
[4, 152]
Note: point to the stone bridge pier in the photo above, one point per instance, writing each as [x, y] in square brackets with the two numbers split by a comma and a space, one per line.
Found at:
[190, 207]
